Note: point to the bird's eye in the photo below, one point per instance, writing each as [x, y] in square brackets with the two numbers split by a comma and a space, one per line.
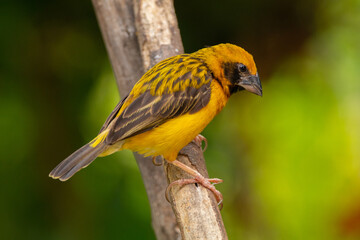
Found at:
[242, 67]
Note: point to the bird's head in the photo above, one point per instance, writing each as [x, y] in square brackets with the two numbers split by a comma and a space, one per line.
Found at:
[235, 68]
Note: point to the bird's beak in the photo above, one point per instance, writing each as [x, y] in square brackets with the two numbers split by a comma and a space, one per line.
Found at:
[252, 84]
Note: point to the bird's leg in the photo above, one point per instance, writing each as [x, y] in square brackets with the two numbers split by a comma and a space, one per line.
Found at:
[199, 139]
[198, 178]
[158, 163]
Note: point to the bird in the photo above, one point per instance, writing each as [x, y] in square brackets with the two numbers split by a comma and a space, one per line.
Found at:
[169, 107]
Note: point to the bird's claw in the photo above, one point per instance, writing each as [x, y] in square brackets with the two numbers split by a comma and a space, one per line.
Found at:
[199, 139]
[205, 182]
[158, 163]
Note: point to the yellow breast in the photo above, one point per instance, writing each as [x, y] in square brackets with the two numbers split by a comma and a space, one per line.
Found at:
[169, 138]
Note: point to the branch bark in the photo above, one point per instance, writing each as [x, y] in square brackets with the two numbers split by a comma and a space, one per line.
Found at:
[138, 34]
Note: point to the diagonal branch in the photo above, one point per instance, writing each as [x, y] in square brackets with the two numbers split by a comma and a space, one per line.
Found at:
[137, 35]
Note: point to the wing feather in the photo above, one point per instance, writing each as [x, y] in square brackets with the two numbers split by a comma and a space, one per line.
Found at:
[113, 114]
[169, 93]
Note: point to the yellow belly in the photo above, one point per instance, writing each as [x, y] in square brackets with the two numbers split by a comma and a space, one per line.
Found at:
[169, 138]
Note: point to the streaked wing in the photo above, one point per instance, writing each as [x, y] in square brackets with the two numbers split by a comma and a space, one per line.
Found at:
[113, 114]
[164, 98]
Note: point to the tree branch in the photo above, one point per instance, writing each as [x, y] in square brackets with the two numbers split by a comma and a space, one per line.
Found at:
[137, 35]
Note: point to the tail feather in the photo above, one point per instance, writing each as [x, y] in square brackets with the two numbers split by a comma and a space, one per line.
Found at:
[76, 161]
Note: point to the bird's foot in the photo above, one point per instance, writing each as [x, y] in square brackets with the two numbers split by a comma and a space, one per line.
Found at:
[199, 139]
[158, 163]
[198, 178]
[205, 182]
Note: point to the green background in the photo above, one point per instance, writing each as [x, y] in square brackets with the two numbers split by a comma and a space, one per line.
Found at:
[289, 160]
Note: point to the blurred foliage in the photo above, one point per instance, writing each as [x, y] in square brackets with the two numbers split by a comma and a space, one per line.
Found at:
[289, 160]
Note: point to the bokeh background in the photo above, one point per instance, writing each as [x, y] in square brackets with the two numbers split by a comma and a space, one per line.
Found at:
[290, 160]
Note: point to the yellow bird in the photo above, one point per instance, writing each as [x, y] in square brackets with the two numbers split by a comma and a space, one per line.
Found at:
[169, 106]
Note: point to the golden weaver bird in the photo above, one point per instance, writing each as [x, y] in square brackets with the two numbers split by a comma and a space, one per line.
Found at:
[168, 107]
